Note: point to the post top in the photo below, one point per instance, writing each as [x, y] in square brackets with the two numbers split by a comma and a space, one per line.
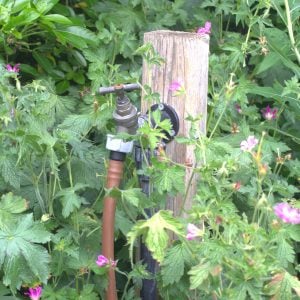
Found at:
[182, 34]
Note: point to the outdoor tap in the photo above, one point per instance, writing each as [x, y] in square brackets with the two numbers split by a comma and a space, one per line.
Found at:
[125, 113]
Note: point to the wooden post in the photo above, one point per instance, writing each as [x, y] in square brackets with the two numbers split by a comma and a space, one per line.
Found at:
[186, 61]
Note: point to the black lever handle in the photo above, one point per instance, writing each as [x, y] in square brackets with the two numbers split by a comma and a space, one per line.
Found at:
[119, 88]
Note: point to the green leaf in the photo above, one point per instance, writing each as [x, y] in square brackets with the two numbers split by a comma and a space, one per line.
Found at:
[19, 5]
[12, 204]
[154, 233]
[77, 36]
[172, 268]
[294, 232]
[88, 293]
[78, 78]
[198, 274]
[285, 252]
[269, 61]
[281, 286]
[69, 199]
[18, 243]
[62, 86]
[122, 222]
[27, 16]
[56, 19]
[43, 6]
[275, 36]
[9, 171]
[78, 123]
[168, 179]
[44, 62]
[135, 196]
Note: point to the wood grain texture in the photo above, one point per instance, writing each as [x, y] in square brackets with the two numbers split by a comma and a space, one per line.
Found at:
[186, 60]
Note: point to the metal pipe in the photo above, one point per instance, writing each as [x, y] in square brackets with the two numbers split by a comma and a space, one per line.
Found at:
[124, 87]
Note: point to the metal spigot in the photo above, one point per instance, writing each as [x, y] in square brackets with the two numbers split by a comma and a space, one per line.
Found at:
[125, 116]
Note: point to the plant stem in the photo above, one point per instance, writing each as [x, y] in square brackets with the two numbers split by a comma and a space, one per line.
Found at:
[39, 198]
[290, 29]
[218, 122]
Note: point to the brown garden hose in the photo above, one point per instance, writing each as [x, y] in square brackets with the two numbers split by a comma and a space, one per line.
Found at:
[114, 176]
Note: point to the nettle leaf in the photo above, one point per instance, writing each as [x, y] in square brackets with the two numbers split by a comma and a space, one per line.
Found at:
[168, 179]
[78, 123]
[9, 171]
[154, 233]
[199, 274]
[123, 223]
[285, 252]
[70, 200]
[134, 196]
[21, 256]
[172, 268]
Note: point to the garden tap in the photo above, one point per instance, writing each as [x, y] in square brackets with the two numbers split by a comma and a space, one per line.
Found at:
[125, 116]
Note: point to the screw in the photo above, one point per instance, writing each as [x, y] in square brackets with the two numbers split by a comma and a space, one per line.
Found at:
[161, 106]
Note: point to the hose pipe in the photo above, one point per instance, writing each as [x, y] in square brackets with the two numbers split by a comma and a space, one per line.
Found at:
[114, 177]
[125, 116]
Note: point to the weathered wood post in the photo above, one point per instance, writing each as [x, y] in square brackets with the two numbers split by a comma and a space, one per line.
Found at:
[186, 61]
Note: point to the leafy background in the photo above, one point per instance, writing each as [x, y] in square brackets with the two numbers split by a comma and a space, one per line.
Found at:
[53, 128]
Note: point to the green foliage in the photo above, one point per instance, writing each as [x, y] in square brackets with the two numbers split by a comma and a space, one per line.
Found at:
[53, 126]
[154, 233]
[172, 268]
[22, 258]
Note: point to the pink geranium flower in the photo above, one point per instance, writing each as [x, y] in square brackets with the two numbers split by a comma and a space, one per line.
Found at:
[14, 69]
[177, 87]
[193, 232]
[102, 261]
[34, 293]
[204, 30]
[287, 213]
[249, 144]
[269, 113]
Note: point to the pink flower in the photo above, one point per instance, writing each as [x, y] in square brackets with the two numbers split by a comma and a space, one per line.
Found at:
[205, 29]
[269, 113]
[249, 144]
[14, 69]
[177, 87]
[102, 261]
[193, 232]
[287, 213]
[34, 293]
